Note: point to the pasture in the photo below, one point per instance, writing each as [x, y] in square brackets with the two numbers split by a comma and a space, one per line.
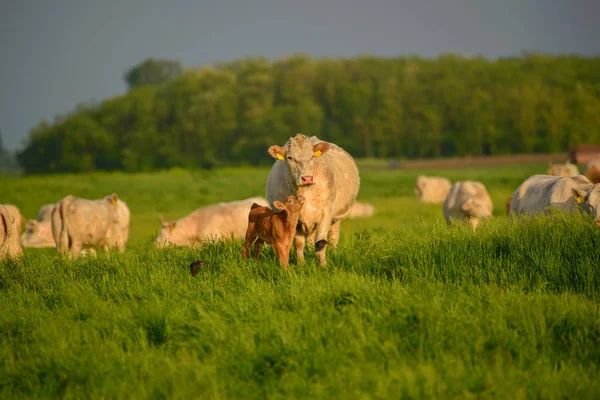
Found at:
[406, 308]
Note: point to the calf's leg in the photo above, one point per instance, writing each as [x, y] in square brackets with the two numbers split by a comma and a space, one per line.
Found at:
[282, 254]
[257, 246]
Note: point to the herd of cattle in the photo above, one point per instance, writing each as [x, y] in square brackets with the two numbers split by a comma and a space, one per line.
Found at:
[310, 189]
[562, 188]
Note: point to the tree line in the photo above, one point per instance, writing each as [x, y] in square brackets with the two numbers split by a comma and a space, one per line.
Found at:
[405, 107]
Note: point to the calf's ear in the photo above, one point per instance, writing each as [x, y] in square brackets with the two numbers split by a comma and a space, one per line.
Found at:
[279, 205]
[277, 152]
[579, 195]
[320, 148]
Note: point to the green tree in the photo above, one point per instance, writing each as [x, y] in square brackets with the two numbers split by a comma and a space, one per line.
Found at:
[152, 72]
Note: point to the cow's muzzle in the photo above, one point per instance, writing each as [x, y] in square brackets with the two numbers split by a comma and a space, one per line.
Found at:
[307, 180]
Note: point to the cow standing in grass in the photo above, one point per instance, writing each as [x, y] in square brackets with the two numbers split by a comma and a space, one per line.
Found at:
[468, 201]
[80, 223]
[326, 176]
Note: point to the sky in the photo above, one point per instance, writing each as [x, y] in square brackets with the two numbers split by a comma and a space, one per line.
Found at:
[55, 54]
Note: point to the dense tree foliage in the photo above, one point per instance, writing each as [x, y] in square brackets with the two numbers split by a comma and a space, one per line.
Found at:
[152, 72]
[405, 107]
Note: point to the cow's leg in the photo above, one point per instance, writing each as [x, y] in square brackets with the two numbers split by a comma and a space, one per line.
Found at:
[75, 249]
[334, 233]
[474, 222]
[257, 246]
[299, 241]
[321, 239]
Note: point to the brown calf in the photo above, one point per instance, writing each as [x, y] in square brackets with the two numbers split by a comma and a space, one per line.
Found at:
[276, 228]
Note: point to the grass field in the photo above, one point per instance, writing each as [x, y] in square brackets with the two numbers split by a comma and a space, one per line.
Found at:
[406, 308]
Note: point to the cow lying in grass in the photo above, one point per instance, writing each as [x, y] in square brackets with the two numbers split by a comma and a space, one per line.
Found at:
[275, 228]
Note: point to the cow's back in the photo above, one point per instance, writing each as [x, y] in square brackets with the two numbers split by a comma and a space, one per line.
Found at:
[230, 218]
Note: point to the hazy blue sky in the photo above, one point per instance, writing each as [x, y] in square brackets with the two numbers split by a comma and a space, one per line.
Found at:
[56, 53]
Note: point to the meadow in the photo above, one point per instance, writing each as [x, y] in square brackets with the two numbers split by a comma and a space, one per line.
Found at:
[406, 308]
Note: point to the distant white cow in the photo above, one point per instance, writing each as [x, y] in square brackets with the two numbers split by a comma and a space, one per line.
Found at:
[468, 200]
[360, 209]
[540, 192]
[214, 222]
[566, 169]
[79, 223]
[432, 189]
[592, 171]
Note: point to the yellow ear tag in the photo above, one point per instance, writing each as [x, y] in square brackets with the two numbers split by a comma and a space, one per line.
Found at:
[579, 199]
[318, 153]
[279, 156]
[113, 200]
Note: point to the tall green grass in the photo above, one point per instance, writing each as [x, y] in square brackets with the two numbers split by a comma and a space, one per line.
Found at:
[406, 308]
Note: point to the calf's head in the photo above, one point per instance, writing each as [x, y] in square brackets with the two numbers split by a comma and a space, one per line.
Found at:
[292, 204]
[299, 154]
[589, 201]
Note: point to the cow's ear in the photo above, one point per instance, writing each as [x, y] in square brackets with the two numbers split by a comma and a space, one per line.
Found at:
[172, 225]
[279, 205]
[579, 195]
[277, 152]
[320, 148]
[467, 205]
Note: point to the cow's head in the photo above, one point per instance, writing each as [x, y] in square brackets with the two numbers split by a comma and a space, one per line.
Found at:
[589, 201]
[166, 232]
[299, 154]
[476, 208]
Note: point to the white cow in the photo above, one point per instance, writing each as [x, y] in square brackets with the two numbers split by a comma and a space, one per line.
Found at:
[326, 176]
[468, 200]
[538, 193]
[214, 222]
[79, 223]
